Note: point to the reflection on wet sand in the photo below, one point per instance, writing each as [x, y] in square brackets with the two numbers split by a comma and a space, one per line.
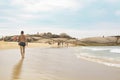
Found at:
[17, 70]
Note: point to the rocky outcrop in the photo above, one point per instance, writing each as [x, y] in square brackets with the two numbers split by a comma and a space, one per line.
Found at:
[101, 41]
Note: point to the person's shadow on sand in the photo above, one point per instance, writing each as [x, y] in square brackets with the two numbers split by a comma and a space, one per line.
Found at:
[17, 70]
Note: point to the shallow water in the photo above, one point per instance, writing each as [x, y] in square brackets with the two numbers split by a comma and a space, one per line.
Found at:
[108, 55]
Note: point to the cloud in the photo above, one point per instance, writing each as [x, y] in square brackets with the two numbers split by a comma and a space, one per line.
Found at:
[98, 12]
[117, 13]
[25, 9]
[46, 5]
[51, 5]
[9, 19]
[55, 15]
[112, 1]
[106, 26]
[97, 29]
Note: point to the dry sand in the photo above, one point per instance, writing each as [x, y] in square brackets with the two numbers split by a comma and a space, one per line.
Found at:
[14, 45]
[52, 64]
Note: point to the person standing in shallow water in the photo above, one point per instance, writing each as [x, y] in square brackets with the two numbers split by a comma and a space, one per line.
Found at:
[22, 43]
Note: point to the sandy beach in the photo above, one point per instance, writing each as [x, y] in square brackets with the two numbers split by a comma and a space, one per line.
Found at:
[14, 45]
[52, 64]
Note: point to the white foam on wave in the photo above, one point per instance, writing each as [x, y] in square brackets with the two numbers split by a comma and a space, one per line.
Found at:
[98, 49]
[111, 64]
[108, 62]
[115, 50]
[94, 49]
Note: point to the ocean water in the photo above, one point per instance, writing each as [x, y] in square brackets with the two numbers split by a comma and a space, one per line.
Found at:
[107, 55]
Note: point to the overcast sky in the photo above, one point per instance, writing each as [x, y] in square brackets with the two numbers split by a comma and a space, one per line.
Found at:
[78, 18]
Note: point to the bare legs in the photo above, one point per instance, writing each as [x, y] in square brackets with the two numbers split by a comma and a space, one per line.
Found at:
[22, 50]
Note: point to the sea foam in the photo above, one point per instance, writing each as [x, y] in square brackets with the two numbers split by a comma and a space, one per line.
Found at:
[115, 50]
[95, 49]
[105, 61]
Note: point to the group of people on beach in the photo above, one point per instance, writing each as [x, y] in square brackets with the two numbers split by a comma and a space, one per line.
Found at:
[59, 43]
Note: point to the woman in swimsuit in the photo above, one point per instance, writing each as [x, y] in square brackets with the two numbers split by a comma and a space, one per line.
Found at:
[22, 42]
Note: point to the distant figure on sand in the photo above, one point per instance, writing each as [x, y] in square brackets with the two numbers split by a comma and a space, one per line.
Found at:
[58, 43]
[22, 42]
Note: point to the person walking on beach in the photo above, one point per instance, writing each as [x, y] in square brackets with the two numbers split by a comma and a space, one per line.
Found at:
[22, 43]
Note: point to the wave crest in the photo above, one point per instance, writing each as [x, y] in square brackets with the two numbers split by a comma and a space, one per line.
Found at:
[106, 61]
[115, 50]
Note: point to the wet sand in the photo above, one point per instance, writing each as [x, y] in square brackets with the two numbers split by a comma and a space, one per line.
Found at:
[52, 64]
